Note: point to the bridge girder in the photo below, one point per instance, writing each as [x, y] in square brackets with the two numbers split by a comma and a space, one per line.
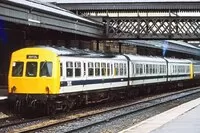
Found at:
[186, 28]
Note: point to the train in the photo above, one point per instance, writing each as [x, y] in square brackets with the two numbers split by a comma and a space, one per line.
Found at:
[54, 78]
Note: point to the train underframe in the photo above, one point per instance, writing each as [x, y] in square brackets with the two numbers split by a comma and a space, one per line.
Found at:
[50, 104]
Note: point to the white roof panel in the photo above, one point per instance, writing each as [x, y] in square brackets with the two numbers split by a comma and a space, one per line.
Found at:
[115, 1]
[50, 8]
[173, 60]
[146, 58]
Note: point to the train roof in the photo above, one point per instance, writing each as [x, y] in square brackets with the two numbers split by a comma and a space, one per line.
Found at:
[62, 51]
[145, 58]
[175, 60]
[74, 52]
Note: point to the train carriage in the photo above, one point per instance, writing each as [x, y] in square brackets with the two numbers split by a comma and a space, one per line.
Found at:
[146, 70]
[57, 78]
[196, 69]
[179, 69]
[92, 73]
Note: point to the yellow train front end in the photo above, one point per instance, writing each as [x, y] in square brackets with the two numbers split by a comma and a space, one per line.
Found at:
[34, 77]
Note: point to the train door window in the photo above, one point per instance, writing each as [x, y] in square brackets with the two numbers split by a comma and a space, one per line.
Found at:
[84, 68]
[61, 70]
[124, 69]
[116, 69]
[137, 68]
[90, 69]
[174, 69]
[161, 69]
[150, 68]
[133, 69]
[157, 69]
[121, 69]
[31, 69]
[154, 68]
[108, 69]
[97, 69]
[144, 68]
[111, 66]
[165, 68]
[147, 69]
[179, 69]
[103, 69]
[188, 69]
[141, 68]
[46, 69]
[17, 69]
[183, 69]
[69, 69]
[77, 69]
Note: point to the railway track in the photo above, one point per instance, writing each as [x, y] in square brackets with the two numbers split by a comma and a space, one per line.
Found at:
[9, 123]
[95, 117]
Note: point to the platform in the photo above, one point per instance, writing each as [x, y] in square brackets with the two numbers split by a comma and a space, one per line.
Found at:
[3, 94]
[182, 119]
[3, 97]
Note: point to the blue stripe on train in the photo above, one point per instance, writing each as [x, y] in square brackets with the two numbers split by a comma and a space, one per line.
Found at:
[101, 81]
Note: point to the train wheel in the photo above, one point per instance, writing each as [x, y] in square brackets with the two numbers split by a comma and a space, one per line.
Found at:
[18, 106]
[71, 103]
[50, 109]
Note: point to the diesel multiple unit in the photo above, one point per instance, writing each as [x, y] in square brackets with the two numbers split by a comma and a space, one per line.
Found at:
[56, 78]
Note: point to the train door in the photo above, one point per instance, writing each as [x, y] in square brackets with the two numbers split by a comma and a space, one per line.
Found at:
[62, 74]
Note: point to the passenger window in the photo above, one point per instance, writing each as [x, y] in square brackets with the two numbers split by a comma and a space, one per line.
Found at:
[124, 69]
[116, 69]
[141, 68]
[111, 69]
[31, 69]
[138, 68]
[90, 69]
[147, 69]
[17, 69]
[108, 69]
[150, 68]
[158, 69]
[103, 69]
[154, 68]
[77, 69]
[69, 69]
[46, 69]
[97, 69]
[121, 69]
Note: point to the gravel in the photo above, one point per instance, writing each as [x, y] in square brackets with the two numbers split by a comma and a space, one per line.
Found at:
[116, 125]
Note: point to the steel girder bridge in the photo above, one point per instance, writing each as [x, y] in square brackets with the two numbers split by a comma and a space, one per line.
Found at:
[167, 25]
[153, 27]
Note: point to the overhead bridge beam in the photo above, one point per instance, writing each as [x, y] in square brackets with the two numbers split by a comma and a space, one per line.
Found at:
[186, 28]
[32, 16]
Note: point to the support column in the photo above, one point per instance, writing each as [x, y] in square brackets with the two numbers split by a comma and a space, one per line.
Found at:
[97, 47]
[120, 48]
